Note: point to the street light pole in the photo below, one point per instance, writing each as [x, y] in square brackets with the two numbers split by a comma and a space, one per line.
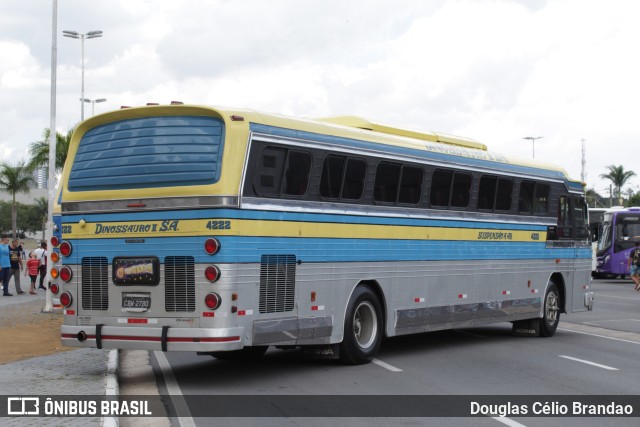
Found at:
[77, 35]
[93, 103]
[533, 143]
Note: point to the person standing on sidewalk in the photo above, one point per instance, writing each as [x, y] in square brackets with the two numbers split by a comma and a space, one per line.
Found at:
[15, 257]
[5, 265]
[33, 265]
[41, 255]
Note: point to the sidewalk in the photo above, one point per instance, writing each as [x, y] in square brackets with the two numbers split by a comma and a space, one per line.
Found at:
[75, 372]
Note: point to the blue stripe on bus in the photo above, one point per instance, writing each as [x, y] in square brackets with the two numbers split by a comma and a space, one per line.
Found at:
[333, 140]
[250, 249]
[294, 216]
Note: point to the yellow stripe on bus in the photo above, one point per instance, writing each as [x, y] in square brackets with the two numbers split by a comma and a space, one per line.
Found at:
[235, 227]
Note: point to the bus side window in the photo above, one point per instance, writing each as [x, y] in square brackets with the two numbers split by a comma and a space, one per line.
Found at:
[541, 199]
[525, 202]
[461, 191]
[410, 185]
[354, 177]
[269, 176]
[387, 181]
[503, 195]
[487, 193]
[331, 180]
[441, 188]
[297, 173]
[564, 218]
[580, 218]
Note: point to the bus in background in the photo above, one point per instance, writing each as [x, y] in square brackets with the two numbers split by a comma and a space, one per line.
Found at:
[620, 231]
[596, 216]
[224, 232]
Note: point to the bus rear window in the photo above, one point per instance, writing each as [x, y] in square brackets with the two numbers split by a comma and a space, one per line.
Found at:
[149, 152]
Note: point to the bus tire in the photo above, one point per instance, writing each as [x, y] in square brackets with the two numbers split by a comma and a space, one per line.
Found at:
[362, 328]
[550, 312]
[247, 353]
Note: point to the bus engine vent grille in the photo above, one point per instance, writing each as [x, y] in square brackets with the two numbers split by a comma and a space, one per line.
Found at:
[95, 283]
[179, 284]
[277, 283]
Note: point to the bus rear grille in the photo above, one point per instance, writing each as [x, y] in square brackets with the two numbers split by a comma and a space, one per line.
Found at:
[95, 283]
[277, 283]
[179, 284]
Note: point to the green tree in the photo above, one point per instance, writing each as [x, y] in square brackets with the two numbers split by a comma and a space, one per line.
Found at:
[39, 150]
[594, 200]
[618, 177]
[15, 179]
[634, 200]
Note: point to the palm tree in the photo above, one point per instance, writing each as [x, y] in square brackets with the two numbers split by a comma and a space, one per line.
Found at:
[618, 177]
[13, 180]
[42, 207]
[39, 150]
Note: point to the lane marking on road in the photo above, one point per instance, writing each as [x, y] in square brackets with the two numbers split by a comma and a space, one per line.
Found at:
[599, 336]
[173, 389]
[588, 362]
[508, 421]
[385, 365]
[597, 322]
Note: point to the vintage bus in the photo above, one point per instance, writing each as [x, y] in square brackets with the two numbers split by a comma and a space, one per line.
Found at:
[224, 232]
[596, 222]
[620, 231]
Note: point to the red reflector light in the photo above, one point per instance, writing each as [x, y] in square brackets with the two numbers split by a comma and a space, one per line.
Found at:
[66, 248]
[55, 242]
[55, 256]
[212, 246]
[66, 299]
[212, 300]
[65, 274]
[54, 288]
[237, 118]
[212, 273]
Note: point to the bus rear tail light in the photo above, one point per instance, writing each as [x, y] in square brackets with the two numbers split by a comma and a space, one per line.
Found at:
[65, 274]
[66, 299]
[212, 246]
[66, 248]
[212, 273]
[55, 273]
[55, 241]
[55, 256]
[212, 300]
[54, 288]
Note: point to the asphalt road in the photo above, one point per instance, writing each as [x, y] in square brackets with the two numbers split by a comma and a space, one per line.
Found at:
[593, 353]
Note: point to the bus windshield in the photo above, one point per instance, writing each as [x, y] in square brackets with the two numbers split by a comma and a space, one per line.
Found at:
[627, 231]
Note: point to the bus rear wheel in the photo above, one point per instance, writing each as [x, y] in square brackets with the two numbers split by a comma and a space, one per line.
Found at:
[551, 312]
[362, 328]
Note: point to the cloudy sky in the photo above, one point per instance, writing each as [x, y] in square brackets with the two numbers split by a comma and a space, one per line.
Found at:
[492, 70]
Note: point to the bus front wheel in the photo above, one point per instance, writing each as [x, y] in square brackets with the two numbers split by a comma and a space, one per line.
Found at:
[362, 328]
[551, 312]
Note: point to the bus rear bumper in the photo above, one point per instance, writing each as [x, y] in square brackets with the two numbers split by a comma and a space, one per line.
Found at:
[144, 338]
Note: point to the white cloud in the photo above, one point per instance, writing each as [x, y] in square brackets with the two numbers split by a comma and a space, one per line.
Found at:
[492, 70]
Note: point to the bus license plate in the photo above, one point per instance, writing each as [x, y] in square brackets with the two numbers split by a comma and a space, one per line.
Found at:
[136, 302]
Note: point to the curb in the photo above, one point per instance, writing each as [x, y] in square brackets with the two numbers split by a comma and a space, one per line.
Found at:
[112, 386]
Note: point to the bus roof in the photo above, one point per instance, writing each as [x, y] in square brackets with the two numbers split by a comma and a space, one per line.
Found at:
[342, 129]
